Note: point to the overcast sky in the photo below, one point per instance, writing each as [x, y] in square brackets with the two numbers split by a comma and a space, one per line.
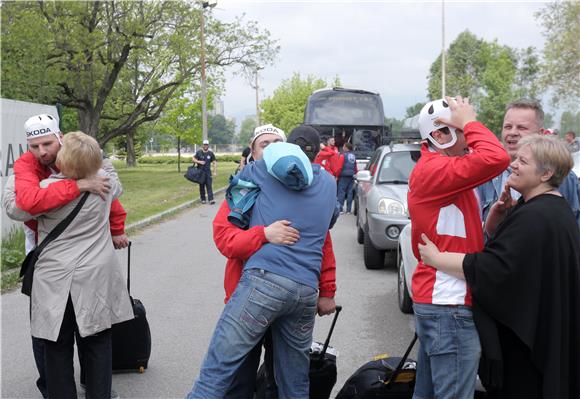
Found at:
[385, 46]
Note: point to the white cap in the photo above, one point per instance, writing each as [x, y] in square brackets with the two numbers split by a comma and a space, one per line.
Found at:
[427, 122]
[205, 142]
[267, 129]
[41, 125]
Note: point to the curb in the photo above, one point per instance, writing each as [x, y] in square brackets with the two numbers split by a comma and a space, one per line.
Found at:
[152, 219]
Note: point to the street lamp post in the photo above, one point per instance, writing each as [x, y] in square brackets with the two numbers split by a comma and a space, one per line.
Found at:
[258, 122]
[204, 4]
[443, 49]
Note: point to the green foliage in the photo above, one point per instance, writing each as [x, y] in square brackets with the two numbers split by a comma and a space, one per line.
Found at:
[285, 109]
[561, 69]
[247, 131]
[13, 249]
[221, 130]
[570, 121]
[181, 118]
[414, 110]
[490, 74]
[119, 63]
[395, 124]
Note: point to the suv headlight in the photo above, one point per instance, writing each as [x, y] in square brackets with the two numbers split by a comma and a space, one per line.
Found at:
[391, 207]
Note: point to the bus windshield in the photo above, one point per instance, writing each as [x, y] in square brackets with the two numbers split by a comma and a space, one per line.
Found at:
[344, 107]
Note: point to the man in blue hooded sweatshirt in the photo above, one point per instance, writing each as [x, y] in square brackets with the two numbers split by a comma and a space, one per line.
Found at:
[279, 285]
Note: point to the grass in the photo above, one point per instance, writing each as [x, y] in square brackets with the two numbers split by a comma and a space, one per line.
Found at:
[12, 257]
[148, 190]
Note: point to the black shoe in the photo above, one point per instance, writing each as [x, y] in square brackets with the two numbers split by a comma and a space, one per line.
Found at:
[212, 202]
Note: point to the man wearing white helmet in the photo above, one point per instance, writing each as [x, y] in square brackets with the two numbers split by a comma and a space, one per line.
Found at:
[457, 155]
[238, 245]
[44, 142]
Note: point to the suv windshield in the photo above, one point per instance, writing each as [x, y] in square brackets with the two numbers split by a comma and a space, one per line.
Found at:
[397, 167]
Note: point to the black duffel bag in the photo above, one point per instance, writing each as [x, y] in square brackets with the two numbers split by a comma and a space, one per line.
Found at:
[195, 175]
[383, 378]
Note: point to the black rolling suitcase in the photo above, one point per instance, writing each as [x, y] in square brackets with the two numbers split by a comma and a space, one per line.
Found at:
[132, 338]
[383, 378]
[322, 369]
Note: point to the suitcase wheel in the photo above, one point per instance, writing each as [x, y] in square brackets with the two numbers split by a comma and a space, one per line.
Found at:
[141, 369]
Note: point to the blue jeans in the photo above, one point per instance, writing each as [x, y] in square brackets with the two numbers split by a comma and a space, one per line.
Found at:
[345, 192]
[261, 300]
[449, 352]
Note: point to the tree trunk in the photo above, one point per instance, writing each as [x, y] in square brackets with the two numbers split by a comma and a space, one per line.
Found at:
[131, 159]
[179, 153]
[89, 123]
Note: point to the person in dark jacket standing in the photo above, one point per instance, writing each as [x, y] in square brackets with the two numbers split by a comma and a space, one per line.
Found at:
[204, 158]
[346, 177]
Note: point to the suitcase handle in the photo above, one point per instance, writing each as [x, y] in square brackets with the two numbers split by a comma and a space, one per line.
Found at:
[401, 362]
[129, 268]
[338, 309]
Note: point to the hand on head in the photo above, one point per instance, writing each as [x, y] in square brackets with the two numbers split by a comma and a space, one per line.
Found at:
[462, 112]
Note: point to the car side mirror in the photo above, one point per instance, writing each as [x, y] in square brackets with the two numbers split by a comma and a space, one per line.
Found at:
[363, 176]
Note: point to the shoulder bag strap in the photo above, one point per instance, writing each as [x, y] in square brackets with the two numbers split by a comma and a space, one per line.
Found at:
[63, 224]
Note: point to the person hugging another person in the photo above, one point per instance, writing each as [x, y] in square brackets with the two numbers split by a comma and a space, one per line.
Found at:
[78, 284]
[525, 283]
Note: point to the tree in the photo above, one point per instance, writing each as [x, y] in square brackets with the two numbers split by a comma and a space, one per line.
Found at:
[490, 74]
[414, 110]
[221, 130]
[285, 109]
[182, 120]
[247, 130]
[561, 69]
[118, 63]
[570, 121]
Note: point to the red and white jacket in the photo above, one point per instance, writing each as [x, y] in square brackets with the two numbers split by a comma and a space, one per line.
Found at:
[443, 205]
[34, 200]
[238, 245]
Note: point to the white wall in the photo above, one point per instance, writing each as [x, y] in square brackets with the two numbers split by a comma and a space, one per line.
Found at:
[13, 139]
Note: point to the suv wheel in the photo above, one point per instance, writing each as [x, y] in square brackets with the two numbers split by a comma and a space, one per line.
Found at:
[404, 299]
[374, 258]
[360, 233]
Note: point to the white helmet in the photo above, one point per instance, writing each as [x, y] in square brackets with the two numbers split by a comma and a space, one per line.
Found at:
[430, 112]
[41, 125]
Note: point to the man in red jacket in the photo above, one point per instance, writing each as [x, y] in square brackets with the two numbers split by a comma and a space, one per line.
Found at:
[458, 154]
[44, 141]
[329, 157]
[238, 245]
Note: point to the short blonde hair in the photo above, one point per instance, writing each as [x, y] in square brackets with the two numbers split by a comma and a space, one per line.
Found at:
[550, 154]
[80, 156]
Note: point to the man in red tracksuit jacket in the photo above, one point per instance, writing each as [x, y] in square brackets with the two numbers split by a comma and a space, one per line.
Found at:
[329, 157]
[44, 142]
[238, 245]
[458, 154]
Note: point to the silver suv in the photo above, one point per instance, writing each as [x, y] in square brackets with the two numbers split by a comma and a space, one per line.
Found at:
[381, 196]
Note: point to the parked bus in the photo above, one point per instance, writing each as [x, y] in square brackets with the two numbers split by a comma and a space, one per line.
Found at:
[349, 115]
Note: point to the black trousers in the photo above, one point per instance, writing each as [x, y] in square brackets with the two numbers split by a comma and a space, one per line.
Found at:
[97, 361]
[244, 383]
[206, 186]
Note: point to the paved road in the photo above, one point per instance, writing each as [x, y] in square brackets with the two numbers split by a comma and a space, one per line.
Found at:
[177, 273]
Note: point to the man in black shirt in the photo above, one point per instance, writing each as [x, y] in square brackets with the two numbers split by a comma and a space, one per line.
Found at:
[204, 158]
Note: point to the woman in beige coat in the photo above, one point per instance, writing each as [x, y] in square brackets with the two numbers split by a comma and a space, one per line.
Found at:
[78, 283]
